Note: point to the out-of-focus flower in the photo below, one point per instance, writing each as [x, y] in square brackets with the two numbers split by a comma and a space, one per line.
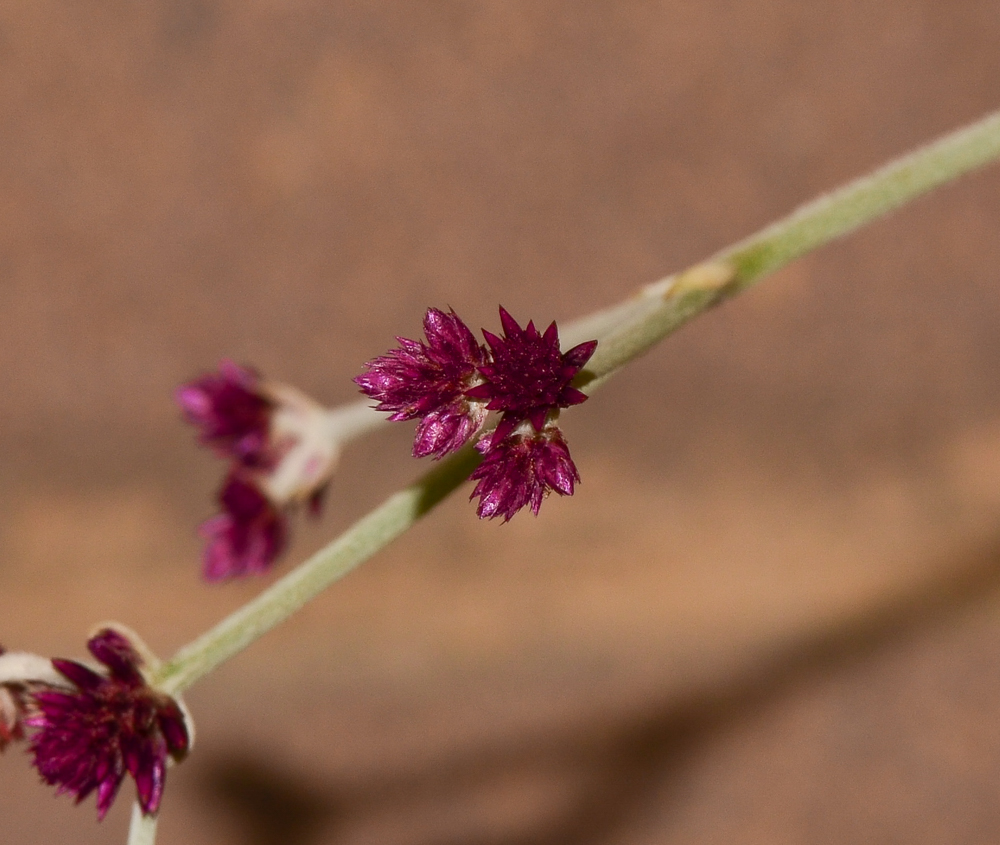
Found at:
[520, 469]
[89, 726]
[247, 537]
[232, 414]
[450, 384]
[96, 725]
[430, 382]
[283, 451]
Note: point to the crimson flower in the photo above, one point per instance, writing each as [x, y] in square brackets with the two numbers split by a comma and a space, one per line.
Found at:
[89, 727]
[430, 382]
[231, 412]
[247, 537]
[528, 377]
[520, 470]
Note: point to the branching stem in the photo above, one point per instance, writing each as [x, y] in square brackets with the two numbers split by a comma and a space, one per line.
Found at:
[624, 331]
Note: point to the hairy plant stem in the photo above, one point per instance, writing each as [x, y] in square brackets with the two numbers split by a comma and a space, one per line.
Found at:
[347, 422]
[142, 829]
[624, 331]
[628, 329]
[284, 597]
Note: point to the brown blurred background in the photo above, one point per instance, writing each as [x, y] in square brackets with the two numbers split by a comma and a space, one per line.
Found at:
[770, 614]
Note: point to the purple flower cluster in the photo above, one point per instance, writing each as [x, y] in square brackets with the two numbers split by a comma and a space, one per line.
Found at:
[280, 455]
[451, 383]
[90, 727]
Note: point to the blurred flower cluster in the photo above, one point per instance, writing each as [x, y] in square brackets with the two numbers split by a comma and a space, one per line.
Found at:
[281, 454]
[89, 726]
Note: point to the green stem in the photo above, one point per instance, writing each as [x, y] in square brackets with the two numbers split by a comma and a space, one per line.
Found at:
[624, 331]
[628, 329]
[142, 828]
[284, 597]
[348, 422]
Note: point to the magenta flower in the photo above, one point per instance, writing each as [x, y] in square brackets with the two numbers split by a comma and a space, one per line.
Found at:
[96, 726]
[247, 537]
[450, 384]
[232, 414]
[282, 455]
[430, 382]
[528, 377]
[520, 469]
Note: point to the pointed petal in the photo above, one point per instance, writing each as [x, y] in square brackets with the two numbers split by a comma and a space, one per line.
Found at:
[174, 729]
[116, 652]
[580, 354]
[571, 396]
[84, 678]
[494, 341]
[504, 429]
[106, 792]
[537, 418]
[510, 326]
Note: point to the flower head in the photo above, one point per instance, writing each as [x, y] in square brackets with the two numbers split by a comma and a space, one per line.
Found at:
[528, 377]
[247, 537]
[520, 470]
[451, 383]
[282, 453]
[430, 382]
[92, 726]
[231, 412]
